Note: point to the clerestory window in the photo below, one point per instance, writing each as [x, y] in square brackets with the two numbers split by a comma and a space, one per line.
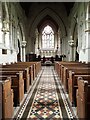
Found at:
[47, 38]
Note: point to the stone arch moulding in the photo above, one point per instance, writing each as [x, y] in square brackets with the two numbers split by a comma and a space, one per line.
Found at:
[6, 9]
[73, 27]
[47, 20]
[22, 31]
[53, 15]
[21, 34]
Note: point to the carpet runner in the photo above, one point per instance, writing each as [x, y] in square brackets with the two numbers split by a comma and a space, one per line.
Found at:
[47, 100]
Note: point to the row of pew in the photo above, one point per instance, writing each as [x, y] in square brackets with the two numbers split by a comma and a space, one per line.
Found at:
[15, 80]
[75, 77]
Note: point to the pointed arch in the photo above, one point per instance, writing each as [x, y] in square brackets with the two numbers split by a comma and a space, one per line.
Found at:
[47, 37]
[53, 15]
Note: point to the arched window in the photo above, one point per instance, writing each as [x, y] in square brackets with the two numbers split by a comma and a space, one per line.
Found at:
[47, 38]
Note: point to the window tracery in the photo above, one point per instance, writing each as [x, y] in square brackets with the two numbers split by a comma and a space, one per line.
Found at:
[47, 37]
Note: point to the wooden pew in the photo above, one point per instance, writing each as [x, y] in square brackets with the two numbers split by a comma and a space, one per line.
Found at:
[31, 66]
[63, 68]
[26, 75]
[72, 82]
[30, 76]
[57, 68]
[59, 65]
[17, 84]
[71, 65]
[83, 99]
[36, 66]
[66, 74]
[6, 99]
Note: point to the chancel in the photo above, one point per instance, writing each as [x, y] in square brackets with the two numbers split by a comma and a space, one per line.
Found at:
[44, 60]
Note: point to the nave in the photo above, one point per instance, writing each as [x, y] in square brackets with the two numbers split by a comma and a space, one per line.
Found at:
[47, 99]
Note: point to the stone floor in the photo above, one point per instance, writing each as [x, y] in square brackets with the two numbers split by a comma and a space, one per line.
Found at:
[47, 99]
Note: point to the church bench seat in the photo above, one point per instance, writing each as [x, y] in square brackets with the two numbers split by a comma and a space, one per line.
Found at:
[29, 64]
[37, 66]
[72, 82]
[28, 69]
[34, 68]
[72, 65]
[57, 68]
[59, 65]
[83, 99]
[17, 84]
[26, 74]
[63, 67]
[6, 98]
[65, 75]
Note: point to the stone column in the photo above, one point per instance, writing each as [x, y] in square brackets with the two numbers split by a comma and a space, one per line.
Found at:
[23, 59]
[40, 41]
[88, 33]
[55, 40]
[37, 42]
[58, 43]
[21, 52]
[1, 12]
[5, 30]
[71, 44]
[11, 32]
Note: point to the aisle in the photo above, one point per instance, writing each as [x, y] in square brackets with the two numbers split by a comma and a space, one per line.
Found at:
[45, 101]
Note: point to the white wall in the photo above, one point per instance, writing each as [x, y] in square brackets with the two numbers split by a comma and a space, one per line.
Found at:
[83, 36]
[8, 58]
[15, 19]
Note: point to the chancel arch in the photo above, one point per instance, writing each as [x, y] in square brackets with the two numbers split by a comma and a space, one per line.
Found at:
[47, 37]
[40, 20]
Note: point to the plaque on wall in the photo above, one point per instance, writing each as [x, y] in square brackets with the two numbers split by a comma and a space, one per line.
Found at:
[4, 51]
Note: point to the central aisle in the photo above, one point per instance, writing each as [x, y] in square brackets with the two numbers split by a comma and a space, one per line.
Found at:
[47, 100]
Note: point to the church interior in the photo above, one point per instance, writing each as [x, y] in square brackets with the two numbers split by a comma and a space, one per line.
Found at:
[45, 61]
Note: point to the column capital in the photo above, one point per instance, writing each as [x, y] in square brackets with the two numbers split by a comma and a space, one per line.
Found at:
[23, 43]
[5, 25]
[71, 42]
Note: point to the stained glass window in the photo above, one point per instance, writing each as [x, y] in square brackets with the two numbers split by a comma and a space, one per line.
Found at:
[47, 37]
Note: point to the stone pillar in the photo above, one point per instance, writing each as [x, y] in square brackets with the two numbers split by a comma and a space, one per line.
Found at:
[3, 37]
[58, 43]
[21, 52]
[5, 30]
[40, 41]
[55, 40]
[11, 32]
[88, 33]
[37, 42]
[71, 44]
[23, 57]
[1, 22]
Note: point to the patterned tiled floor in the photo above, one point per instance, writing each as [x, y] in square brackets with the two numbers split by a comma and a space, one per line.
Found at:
[47, 99]
[45, 104]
